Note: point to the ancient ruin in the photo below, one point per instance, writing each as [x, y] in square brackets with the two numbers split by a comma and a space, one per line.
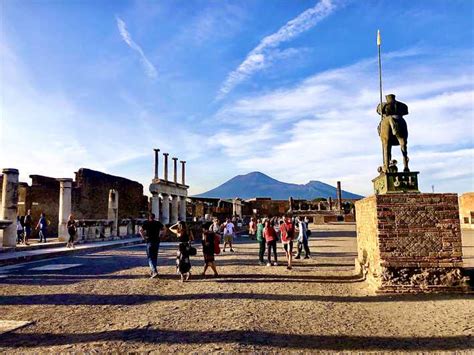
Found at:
[168, 201]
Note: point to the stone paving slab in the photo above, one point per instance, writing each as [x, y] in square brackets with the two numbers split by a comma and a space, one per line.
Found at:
[15, 257]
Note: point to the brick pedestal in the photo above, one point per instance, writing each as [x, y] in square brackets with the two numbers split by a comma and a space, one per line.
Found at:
[410, 242]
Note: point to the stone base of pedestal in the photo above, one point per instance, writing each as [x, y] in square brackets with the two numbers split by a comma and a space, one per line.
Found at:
[410, 242]
[63, 235]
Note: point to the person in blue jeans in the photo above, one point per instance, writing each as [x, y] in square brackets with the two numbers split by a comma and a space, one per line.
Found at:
[42, 226]
[150, 232]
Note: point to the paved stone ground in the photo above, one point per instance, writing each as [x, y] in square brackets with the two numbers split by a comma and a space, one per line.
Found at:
[109, 304]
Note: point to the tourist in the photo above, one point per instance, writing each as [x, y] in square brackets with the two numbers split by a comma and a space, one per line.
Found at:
[42, 226]
[182, 232]
[150, 232]
[261, 241]
[271, 240]
[19, 231]
[71, 230]
[252, 228]
[287, 235]
[302, 239]
[215, 227]
[208, 248]
[183, 261]
[229, 231]
[27, 223]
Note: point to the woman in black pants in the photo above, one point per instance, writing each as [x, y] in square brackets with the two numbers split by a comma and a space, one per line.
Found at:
[271, 240]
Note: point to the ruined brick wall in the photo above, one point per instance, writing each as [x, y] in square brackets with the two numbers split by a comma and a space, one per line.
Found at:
[91, 191]
[367, 235]
[410, 240]
[44, 197]
[466, 210]
[269, 207]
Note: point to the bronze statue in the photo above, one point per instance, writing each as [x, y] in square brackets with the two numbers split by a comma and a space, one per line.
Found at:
[393, 130]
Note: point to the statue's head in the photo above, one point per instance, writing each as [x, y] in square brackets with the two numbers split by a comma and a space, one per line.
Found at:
[390, 98]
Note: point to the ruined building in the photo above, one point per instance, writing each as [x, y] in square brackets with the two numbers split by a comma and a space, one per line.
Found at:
[90, 194]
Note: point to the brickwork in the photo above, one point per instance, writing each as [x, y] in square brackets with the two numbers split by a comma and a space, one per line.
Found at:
[410, 241]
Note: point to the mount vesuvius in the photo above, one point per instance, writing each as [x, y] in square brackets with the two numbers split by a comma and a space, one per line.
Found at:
[257, 184]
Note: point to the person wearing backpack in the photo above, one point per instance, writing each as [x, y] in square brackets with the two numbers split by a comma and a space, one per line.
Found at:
[209, 242]
[271, 239]
[287, 232]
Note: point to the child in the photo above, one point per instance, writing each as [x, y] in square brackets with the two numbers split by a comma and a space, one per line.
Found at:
[183, 263]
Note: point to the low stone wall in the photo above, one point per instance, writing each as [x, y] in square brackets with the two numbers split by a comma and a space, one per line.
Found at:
[410, 242]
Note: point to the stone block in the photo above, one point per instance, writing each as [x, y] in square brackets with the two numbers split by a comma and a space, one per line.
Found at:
[410, 242]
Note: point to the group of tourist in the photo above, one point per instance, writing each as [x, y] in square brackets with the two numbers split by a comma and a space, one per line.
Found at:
[24, 227]
[267, 232]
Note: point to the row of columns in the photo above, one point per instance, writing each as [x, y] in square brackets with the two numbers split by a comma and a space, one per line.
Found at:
[173, 215]
[165, 170]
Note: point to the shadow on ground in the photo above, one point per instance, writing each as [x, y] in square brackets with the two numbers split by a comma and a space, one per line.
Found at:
[245, 338]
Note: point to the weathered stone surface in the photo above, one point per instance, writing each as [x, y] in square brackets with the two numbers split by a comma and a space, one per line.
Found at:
[466, 210]
[410, 242]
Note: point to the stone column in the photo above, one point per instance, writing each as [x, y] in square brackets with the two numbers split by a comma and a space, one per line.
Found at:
[166, 165]
[65, 192]
[339, 196]
[175, 170]
[157, 151]
[165, 209]
[155, 206]
[182, 208]
[330, 203]
[183, 172]
[237, 207]
[112, 213]
[174, 210]
[9, 209]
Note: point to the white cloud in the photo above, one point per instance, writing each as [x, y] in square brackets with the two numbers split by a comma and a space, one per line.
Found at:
[261, 56]
[325, 127]
[150, 70]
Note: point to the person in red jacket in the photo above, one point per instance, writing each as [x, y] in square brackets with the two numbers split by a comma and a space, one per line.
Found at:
[287, 231]
[271, 239]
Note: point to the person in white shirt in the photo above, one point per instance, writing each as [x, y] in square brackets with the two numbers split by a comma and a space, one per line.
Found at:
[302, 239]
[229, 231]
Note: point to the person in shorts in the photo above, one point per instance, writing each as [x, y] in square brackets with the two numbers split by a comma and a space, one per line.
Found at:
[287, 231]
[229, 231]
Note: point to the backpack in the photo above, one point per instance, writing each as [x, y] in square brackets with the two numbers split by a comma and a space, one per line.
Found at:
[308, 233]
[217, 246]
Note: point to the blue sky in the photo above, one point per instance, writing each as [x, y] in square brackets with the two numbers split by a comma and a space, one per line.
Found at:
[288, 88]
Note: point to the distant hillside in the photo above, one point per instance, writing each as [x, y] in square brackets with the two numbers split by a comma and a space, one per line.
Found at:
[256, 184]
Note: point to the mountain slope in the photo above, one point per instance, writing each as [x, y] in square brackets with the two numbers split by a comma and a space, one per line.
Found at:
[256, 184]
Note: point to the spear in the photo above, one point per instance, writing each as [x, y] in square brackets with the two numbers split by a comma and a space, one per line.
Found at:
[379, 43]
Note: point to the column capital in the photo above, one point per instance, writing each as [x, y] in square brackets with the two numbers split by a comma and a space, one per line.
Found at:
[156, 150]
[10, 171]
[166, 154]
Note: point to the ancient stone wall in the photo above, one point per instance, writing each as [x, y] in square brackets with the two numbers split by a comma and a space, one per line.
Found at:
[91, 192]
[43, 195]
[410, 241]
[466, 210]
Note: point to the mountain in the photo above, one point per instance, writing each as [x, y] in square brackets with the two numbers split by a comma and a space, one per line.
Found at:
[256, 184]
